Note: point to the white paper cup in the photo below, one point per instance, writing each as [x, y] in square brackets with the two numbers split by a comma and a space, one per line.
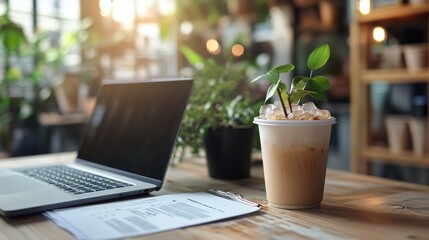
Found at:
[419, 129]
[397, 133]
[294, 155]
[391, 57]
[415, 57]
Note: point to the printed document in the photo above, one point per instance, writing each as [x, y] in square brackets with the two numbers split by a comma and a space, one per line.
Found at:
[147, 215]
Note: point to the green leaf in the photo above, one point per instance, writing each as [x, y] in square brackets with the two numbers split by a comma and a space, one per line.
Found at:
[318, 57]
[273, 76]
[299, 82]
[13, 37]
[282, 86]
[14, 73]
[284, 68]
[318, 96]
[192, 56]
[68, 40]
[322, 81]
[313, 86]
[5, 104]
[230, 108]
[318, 87]
[284, 97]
[283, 93]
[271, 91]
[258, 78]
[298, 94]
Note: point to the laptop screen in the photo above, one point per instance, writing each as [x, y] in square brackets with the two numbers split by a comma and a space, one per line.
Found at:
[134, 126]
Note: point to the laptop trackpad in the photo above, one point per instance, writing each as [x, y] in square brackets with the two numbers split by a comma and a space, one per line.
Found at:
[15, 183]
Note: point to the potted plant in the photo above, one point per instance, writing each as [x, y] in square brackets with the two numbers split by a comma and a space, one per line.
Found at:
[12, 108]
[295, 138]
[219, 117]
[28, 68]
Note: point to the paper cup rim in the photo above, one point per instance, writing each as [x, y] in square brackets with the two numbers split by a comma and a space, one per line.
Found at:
[280, 123]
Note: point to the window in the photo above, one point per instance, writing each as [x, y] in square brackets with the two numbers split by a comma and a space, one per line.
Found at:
[54, 17]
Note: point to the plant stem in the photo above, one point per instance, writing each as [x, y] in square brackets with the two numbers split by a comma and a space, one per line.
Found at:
[290, 104]
[282, 102]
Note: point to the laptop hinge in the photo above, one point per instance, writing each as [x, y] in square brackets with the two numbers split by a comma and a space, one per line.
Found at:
[156, 182]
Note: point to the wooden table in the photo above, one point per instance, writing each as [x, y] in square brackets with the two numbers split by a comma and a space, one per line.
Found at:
[354, 207]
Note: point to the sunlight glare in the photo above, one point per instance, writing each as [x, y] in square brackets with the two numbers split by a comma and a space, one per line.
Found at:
[105, 7]
[167, 7]
[123, 12]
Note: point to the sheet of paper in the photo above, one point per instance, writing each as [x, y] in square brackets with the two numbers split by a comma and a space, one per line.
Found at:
[147, 216]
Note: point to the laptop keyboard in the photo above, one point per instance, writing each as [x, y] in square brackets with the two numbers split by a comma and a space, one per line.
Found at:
[73, 180]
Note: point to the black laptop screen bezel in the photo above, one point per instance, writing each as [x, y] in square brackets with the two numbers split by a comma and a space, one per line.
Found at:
[172, 94]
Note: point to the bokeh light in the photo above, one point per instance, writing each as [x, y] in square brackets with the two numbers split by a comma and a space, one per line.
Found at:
[213, 46]
[379, 34]
[237, 50]
[364, 6]
[186, 28]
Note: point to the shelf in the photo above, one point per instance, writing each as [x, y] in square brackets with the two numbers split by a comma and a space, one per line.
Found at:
[395, 76]
[381, 154]
[361, 43]
[394, 12]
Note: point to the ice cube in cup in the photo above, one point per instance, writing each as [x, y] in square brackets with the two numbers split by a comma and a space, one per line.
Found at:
[319, 114]
[266, 110]
[308, 106]
[308, 111]
[277, 114]
[298, 115]
[295, 107]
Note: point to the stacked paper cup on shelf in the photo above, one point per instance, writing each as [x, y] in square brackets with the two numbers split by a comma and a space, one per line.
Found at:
[418, 128]
[398, 136]
[404, 132]
[416, 57]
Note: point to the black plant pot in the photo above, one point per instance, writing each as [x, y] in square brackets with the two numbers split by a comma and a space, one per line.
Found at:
[228, 152]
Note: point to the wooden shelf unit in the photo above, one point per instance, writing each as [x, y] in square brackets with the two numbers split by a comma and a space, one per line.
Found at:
[383, 154]
[395, 76]
[364, 151]
[393, 13]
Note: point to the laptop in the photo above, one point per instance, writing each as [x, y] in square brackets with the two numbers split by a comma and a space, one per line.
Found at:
[125, 150]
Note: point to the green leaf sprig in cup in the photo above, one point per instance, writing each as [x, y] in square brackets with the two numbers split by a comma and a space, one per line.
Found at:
[301, 86]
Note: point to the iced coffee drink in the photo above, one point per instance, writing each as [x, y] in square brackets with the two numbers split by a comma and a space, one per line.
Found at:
[294, 154]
